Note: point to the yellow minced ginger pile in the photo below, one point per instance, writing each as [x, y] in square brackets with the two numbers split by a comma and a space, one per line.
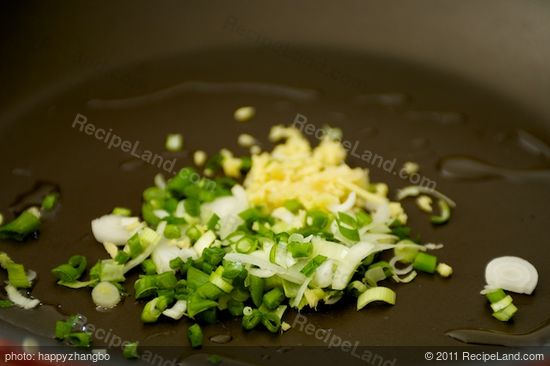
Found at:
[318, 177]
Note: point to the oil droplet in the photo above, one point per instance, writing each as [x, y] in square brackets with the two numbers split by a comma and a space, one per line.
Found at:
[284, 349]
[369, 131]
[383, 99]
[533, 144]
[131, 164]
[221, 338]
[206, 88]
[465, 168]
[444, 118]
[420, 143]
[540, 336]
[21, 172]
[33, 197]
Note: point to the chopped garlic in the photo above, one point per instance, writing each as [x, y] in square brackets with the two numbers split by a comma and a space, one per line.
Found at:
[111, 248]
[255, 150]
[230, 164]
[174, 142]
[424, 203]
[285, 326]
[244, 114]
[381, 189]
[199, 157]
[411, 168]
[246, 140]
[318, 177]
[160, 182]
[444, 270]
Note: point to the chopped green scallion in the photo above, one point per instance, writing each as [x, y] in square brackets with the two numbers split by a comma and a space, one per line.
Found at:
[194, 333]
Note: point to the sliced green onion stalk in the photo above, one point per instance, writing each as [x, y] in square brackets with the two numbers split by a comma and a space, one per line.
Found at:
[78, 284]
[501, 304]
[293, 205]
[251, 319]
[106, 295]
[246, 245]
[256, 287]
[506, 314]
[348, 227]
[22, 227]
[49, 202]
[72, 270]
[300, 250]
[68, 331]
[5, 304]
[374, 275]
[358, 287]
[495, 295]
[172, 231]
[373, 294]
[216, 278]
[153, 309]
[111, 271]
[406, 253]
[271, 322]
[273, 298]
[313, 264]
[130, 350]
[425, 262]
[122, 211]
[444, 214]
[197, 304]
[194, 333]
[17, 275]
[211, 225]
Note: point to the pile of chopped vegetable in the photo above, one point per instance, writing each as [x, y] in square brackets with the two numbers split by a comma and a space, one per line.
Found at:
[305, 229]
[301, 229]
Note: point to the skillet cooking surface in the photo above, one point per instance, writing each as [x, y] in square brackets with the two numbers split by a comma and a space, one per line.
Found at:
[404, 112]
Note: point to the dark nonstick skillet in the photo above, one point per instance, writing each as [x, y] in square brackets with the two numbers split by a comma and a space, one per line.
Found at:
[460, 88]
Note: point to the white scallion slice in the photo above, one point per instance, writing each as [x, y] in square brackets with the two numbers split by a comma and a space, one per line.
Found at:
[111, 228]
[400, 271]
[408, 278]
[106, 295]
[287, 274]
[18, 299]
[353, 259]
[501, 304]
[177, 311]
[204, 242]
[346, 205]
[413, 191]
[512, 274]
[376, 294]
